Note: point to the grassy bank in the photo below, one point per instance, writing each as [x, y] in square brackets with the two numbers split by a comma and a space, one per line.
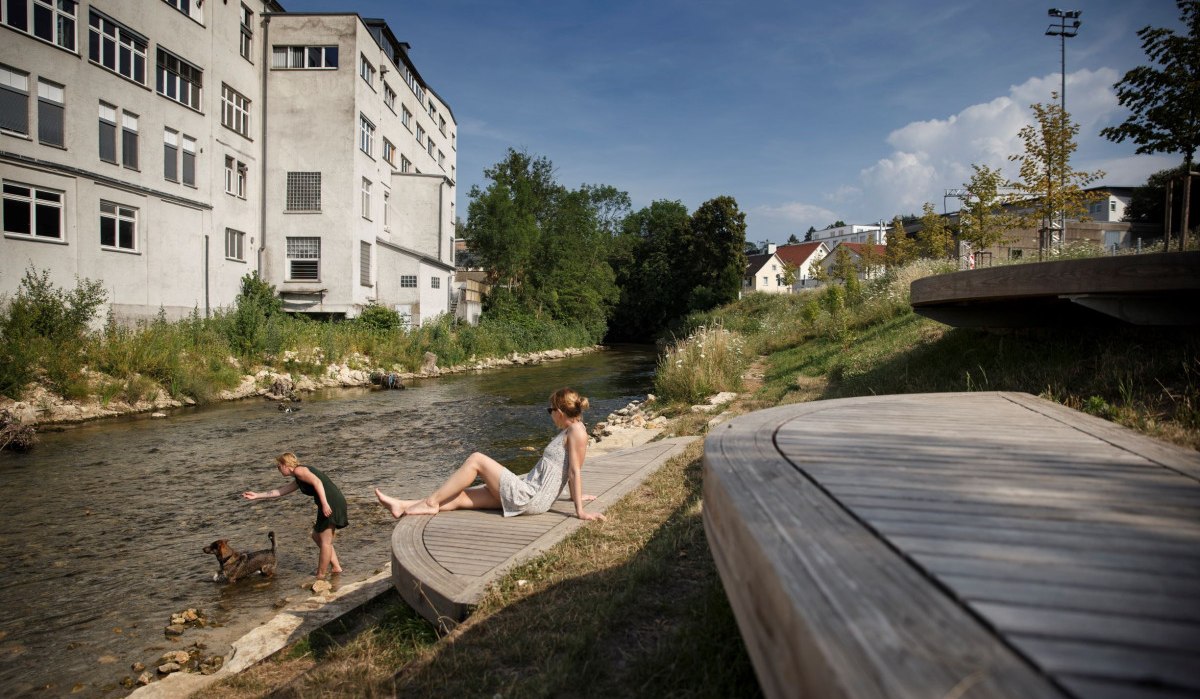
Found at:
[47, 337]
[633, 606]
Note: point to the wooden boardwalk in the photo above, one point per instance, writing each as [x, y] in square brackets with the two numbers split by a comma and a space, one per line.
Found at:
[957, 545]
[442, 565]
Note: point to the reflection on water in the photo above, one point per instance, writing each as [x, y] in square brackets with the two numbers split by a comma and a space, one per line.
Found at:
[107, 521]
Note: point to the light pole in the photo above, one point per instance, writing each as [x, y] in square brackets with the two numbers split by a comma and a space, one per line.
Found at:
[1062, 30]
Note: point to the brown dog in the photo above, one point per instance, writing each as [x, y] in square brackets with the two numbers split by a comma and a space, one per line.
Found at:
[234, 565]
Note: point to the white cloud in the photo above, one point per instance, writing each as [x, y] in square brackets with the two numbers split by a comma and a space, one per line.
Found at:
[794, 217]
[930, 156]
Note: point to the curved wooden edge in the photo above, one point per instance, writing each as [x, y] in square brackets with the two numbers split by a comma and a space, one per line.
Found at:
[824, 606]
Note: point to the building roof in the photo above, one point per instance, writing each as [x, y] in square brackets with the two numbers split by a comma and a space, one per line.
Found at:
[799, 253]
[757, 262]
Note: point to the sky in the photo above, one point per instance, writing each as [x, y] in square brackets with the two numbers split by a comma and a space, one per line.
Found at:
[806, 112]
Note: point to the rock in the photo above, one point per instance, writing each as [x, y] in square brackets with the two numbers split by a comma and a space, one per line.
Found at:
[174, 630]
[145, 678]
[168, 668]
[321, 587]
[158, 414]
[211, 664]
[179, 657]
[429, 363]
[138, 667]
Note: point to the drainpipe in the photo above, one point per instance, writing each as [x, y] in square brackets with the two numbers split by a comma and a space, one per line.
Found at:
[262, 177]
[206, 307]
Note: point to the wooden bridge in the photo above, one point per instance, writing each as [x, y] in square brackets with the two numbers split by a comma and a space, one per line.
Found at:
[442, 565]
[957, 545]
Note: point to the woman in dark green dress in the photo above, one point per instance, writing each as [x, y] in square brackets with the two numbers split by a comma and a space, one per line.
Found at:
[331, 506]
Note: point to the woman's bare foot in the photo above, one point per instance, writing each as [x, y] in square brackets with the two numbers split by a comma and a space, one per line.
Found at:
[394, 505]
[422, 507]
[336, 571]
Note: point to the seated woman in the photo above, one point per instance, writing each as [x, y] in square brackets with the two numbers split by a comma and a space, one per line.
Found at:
[534, 493]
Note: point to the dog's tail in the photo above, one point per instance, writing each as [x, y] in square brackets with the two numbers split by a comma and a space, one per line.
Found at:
[271, 536]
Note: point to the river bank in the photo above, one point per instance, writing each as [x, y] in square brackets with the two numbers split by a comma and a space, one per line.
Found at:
[40, 406]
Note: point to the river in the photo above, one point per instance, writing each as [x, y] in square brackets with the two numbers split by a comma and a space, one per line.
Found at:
[108, 519]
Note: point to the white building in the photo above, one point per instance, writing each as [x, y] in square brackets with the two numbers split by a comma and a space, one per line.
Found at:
[854, 233]
[765, 273]
[170, 147]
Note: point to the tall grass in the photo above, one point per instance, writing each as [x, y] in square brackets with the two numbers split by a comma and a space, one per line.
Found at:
[45, 338]
[709, 360]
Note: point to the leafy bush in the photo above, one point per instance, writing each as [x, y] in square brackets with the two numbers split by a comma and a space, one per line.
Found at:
[379, 318]
[708, 361]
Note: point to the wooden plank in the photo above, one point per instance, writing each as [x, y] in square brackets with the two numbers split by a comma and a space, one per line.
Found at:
[443, 564]
[825, 607]
[1033, 553]
[1034, 520]
[1082, 576]
[1150, 605]
[969, 531]
[1128, 664]
[1086, 626]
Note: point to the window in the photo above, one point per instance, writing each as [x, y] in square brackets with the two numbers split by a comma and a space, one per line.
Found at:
[32, 212]
[389, 152]
[235, 177]
[53, 20]
[235, 245]
[405, 117]
[429, 146]
[108, 133]
[51, 114]
[189, 161]
[191, 8]
[366, 199]
[405, 164]
[366, 71]
[179, 80]
[366, 134]
[304, 259]
[420, 135]
[14, 100]
[246, 44]
[364, 263]
[129, 140]
[304, 191]
[171, 155]
[118, 226]
[435, 282]
[408, 281]
[235, 110]
[308, 57]
[441, 160]
[442, 125]
[117, 48]
[389, 97]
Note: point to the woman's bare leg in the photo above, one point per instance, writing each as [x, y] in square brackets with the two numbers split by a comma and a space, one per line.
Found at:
[451, 492]
[324, 541]
[335, 566]
[394, 505]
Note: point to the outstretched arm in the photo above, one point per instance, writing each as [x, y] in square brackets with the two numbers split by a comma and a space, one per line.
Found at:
[278, 492]
[576, 452]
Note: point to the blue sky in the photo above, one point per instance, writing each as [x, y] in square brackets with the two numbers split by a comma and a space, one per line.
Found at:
[805, 112]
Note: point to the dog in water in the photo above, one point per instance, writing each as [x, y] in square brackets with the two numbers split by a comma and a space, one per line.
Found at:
[233, 565]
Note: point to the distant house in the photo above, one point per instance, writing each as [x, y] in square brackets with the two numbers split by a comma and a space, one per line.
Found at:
[803, 256]
[857, 251]
[764, 272]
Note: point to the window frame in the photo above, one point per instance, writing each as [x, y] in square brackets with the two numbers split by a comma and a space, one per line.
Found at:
[300, 186]
[9, 76]
[118, 216]
[389, 97]
[365, 191]
[366, 134]
[366, 71]
[299, 255]
[408, 281]
[118, 39]
[389, 152]
[235, 111]
[60, 22]
[235, 245]
[173, 73]
[246, 35]
[364, 263]
[298, 53]
[36, 206]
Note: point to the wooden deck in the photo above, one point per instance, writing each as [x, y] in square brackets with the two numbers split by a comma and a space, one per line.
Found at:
[442, 565]
[957, 545]
[1151, 289]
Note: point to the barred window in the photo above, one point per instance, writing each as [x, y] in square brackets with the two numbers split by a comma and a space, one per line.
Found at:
[304, 191]
[435, 282]
[308, 57]
[408, 281]
[304, 259]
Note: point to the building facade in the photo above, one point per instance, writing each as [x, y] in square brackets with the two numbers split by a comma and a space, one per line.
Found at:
[170, 147]
[855, 233]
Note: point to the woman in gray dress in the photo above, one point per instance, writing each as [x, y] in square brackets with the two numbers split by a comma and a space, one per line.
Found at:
[561, 464]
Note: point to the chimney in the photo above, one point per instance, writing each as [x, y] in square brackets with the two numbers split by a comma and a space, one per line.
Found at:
[771, 248]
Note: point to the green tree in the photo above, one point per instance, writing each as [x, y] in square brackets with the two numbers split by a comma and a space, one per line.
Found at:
[1164, 98]
[935, 239]
[793, 240]
[870, 258]
[809, 234]
[716, 257]
[844, 270]
[900, 248]
[647, 258]
[1047, 180]
[789, 273]
[984, 220]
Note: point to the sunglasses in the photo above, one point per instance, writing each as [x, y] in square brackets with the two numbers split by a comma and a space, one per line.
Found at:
[550, 411]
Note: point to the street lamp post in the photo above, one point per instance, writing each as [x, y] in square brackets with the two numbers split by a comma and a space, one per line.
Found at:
[1063, 30]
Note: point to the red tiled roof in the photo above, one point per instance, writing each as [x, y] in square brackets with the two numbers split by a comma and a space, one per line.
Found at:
[797, 254]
